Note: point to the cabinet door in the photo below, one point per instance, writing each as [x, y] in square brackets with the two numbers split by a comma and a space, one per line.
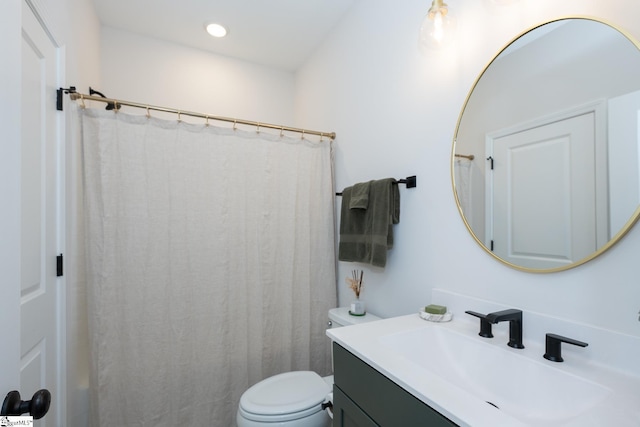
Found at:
[377, 397]
[347, 414]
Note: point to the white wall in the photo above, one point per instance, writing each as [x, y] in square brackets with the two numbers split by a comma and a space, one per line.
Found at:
[395, 114]
[151, 71]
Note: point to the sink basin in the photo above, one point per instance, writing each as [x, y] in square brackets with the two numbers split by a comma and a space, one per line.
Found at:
[533, 392]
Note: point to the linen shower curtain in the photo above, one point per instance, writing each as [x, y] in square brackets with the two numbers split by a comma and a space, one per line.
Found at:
[462, 177]
[210, 265]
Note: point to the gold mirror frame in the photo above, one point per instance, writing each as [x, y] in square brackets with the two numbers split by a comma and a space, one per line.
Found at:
[615, 238]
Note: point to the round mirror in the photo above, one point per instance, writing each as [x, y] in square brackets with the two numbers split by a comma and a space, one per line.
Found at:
[545, 159]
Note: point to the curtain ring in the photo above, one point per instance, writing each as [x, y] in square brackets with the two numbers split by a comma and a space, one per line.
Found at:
[258, 128]
[207, 122]
[115, 106]
[281, 131]
[148, 113]
[82, 101]
[321, 136]
[235, 122]
[179, 117]
[302, 137]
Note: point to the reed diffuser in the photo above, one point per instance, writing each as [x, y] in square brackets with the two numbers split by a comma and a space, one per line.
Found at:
[355, 284]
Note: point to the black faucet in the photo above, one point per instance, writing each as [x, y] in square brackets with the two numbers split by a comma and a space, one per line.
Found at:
[515, 324]
[485, 326]
[553, 346]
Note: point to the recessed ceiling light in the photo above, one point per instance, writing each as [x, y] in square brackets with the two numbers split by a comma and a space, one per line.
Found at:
[216, 30]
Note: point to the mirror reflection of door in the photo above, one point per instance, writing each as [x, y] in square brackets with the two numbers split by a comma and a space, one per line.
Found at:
[555, 68]
[542, 195]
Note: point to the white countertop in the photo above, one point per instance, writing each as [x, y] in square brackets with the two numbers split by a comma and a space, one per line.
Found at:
[620, 407]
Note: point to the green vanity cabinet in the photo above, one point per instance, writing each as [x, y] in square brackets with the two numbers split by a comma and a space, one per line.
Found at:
[363, 397]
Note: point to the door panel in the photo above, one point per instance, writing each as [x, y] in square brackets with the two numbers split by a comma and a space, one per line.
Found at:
[10, 194]
[39, 336]
[544, 199]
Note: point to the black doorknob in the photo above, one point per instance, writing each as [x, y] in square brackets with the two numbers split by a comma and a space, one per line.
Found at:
[37, 407]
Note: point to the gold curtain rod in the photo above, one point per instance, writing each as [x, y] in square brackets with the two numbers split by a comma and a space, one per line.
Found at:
[466, 156]
[117, 103]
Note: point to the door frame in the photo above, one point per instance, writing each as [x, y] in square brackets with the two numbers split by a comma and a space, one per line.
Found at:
[599, 109]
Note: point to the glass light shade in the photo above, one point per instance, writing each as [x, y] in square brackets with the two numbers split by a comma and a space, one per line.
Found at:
[437, 30]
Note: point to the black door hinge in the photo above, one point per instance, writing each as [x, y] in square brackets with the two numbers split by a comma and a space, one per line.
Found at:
[59, 265]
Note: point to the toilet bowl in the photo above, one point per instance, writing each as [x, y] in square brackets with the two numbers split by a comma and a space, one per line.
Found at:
[293, 399]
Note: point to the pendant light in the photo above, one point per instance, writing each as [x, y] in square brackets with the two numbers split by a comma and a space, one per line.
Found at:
[438, 27]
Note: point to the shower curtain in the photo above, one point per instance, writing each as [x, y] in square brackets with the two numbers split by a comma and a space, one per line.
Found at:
[210, 265]
[462, 177]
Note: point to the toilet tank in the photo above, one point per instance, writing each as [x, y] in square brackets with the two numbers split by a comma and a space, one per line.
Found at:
[340, 317]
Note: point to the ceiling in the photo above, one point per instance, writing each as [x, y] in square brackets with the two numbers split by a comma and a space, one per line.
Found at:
[276, 33]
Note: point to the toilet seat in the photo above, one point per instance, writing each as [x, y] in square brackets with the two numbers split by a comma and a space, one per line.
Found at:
[284, 397]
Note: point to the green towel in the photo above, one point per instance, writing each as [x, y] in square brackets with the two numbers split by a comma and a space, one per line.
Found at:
[360, 195]
[367, 234]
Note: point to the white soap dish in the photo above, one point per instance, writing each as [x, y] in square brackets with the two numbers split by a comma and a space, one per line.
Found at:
[436, 317]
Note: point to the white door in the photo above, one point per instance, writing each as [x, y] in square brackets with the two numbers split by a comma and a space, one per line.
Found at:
[37, 330]
[10, 196]
[543, 207]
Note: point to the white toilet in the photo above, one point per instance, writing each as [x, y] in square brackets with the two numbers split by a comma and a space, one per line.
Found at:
[293, 399]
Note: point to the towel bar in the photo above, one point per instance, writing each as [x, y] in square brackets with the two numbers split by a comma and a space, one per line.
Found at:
[410, 181]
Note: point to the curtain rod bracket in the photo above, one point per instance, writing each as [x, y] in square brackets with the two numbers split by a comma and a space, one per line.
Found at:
[61, 91]
[110, 105]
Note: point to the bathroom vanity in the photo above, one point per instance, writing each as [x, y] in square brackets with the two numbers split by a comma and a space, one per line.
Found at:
[363, 397]
[411, 372]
